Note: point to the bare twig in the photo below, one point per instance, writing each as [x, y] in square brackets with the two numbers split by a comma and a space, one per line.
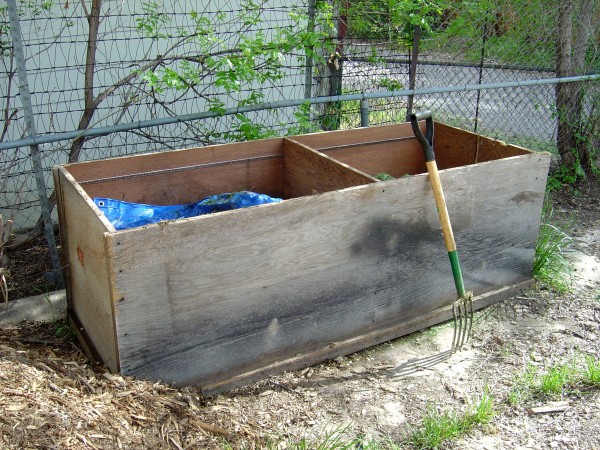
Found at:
[5, 236]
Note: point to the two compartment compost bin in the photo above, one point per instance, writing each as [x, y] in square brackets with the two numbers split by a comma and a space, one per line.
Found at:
[343, 262]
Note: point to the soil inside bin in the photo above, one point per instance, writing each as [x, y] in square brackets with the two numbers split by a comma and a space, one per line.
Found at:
[51, 397]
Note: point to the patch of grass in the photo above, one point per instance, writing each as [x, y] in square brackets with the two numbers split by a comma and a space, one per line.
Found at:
[556, 381]
[565, 176]
[591, 371]
[335, 440]
[438, 427]
[550, 265]
[523, 385]
[382, 176]
[64, 329]
[483, 411]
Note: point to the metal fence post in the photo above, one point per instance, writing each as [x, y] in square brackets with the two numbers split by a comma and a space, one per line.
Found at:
[364, 113]
[308, 68]
[36, 160]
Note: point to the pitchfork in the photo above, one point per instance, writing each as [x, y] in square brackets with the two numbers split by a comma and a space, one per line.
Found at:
[462, 308]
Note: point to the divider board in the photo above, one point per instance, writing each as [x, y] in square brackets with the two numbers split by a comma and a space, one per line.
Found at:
[307, 172]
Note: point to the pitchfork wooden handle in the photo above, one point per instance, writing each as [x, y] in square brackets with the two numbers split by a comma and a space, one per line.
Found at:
[438, 193]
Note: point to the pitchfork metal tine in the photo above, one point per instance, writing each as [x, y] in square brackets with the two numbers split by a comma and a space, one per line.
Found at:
[462, 313]
[471, 313]
[455, 334]
[463, 307]
[458, 326]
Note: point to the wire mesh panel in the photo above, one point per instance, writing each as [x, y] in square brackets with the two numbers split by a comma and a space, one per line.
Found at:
[109, 63]
[102, 63]
[475, 43]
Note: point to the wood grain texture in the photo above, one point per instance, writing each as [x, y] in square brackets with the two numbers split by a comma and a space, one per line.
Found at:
[206, 299]
[136, 164]
[264, 176]
[339, 348]
[87, 266]
[394, 158]
[455, 147]
[64, 238]
[307, 172]
[322, 141]
[491, 149]
[391, 149]
[381, 149]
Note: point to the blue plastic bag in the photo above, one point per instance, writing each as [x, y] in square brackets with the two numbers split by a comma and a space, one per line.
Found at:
[128, 215]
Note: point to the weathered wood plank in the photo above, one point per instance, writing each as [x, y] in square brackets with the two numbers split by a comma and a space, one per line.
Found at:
[205, 299]
[64, 236]
[394, 150]
[550, 407]
[307, 172]
[394, 158]
[455, 147]
[321, 141]
[388, 148]
[491, 149]
[264, 176]
[87, 266]
[137, 164]
[384, 334]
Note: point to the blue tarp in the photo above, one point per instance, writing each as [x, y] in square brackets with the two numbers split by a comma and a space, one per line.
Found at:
[128, 215]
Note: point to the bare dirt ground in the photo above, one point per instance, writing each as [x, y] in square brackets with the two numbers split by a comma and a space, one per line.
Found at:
[51, 397]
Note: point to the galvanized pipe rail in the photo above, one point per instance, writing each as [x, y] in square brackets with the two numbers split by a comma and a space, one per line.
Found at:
[101, 131]
[34, 151]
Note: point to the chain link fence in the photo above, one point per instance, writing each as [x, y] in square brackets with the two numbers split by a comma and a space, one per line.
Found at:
[473, 43]
[95, 64]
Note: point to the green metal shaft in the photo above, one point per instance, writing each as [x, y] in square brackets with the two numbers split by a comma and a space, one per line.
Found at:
[456, 272]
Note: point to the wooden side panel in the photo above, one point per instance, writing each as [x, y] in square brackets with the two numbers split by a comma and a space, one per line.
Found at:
[491, 149]
[204, 300]
[264, 176]
[62, 227]
[136, 164]
[394, 158]
[362, 341]
[322, 141]
[307, 172]
[455, 147]
[87, 266]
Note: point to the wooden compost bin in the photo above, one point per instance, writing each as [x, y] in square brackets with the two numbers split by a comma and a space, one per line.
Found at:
[344, 262]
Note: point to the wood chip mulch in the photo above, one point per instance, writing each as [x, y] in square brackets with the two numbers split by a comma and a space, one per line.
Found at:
[50, 397]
